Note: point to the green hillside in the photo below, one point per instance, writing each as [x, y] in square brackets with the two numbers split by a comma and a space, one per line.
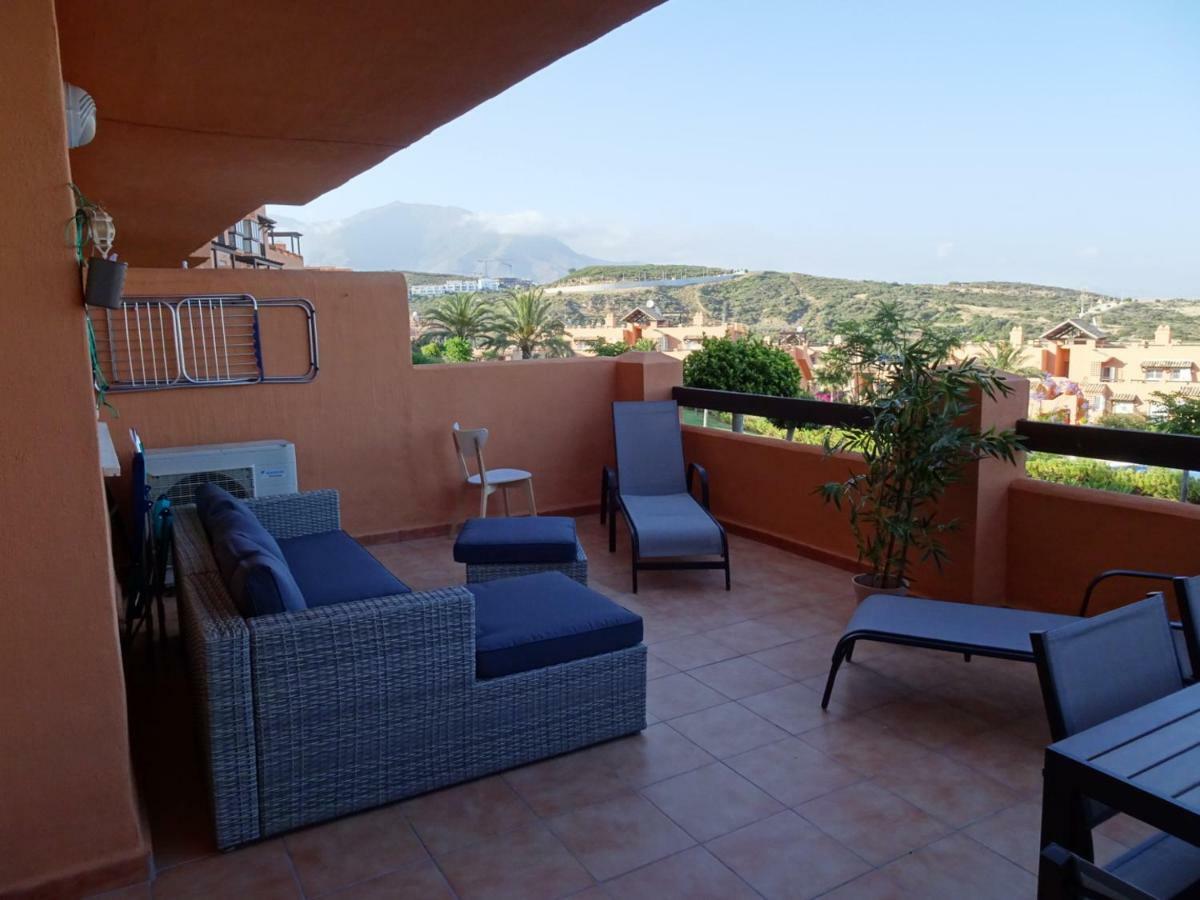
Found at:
[768, 301]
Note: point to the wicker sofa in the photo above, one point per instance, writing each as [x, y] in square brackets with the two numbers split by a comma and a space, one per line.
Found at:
[305, 716]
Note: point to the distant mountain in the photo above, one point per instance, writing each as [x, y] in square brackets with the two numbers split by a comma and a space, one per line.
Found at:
[414, 237]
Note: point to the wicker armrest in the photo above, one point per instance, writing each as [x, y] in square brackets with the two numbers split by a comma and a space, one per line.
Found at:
[409, 644]
[294, 515]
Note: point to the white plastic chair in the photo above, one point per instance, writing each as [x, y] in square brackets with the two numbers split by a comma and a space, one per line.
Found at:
[469, 443]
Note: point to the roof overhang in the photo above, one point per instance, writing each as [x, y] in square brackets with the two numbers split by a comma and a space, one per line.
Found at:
[207, 111]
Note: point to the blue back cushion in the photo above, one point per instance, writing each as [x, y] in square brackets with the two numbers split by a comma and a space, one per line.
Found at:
[530, 539]
[649, 447]
[248, 556]
[332, 567]
[542, 620]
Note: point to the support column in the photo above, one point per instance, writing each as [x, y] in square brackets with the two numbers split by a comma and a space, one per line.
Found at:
[647, 375]
[68, 816]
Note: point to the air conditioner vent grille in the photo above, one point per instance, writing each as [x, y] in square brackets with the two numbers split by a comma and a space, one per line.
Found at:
[181, 489]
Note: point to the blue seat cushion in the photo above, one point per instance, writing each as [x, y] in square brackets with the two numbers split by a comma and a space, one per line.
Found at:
[222, 514]
[261, 585]
[530, 539]
[542, 620]
[332, 567]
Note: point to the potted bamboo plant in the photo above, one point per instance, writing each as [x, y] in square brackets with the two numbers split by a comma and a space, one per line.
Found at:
[915, 444]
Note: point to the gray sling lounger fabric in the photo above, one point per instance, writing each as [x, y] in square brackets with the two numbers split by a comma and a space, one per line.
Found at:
[668, 528]
[939, 625]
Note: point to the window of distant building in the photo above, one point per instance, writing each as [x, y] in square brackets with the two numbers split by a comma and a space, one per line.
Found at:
[1124, 409]
[1181, 375]
[1154, 374]
[1108, 373]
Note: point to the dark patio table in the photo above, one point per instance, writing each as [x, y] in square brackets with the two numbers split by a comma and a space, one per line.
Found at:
[1145, 763]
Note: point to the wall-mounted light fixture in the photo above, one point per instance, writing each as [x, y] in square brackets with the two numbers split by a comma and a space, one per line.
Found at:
[81, 116]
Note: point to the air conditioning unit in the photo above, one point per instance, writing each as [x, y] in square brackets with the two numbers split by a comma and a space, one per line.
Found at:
[250, 469]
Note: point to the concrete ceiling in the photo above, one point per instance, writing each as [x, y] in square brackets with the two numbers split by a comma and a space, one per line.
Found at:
[209, 110]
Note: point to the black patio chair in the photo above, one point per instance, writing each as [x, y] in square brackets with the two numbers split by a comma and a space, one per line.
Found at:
[1092, 670]
[652, 488]
[997, 631]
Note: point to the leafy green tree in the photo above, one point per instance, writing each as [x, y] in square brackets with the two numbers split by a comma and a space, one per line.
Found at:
[645, 344]
[464, 316]
[427, 353]
[458, 349]
[1126, 421]
[748, 366]
[601, 347]
[1006, 357]
[1176, 414]
[530, 322]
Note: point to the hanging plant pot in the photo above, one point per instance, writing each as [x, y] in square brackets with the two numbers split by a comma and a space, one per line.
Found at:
[105, 282]
[866, 584]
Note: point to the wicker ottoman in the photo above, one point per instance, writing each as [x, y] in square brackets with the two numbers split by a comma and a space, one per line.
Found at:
[507, 548]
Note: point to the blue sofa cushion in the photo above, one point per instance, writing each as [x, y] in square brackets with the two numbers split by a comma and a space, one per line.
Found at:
[222, 514]
[332, 567]
[530, 539]
[542, 620]
[261, 585]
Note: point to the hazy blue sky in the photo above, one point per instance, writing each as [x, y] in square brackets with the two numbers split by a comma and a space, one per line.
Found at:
[1056, 142]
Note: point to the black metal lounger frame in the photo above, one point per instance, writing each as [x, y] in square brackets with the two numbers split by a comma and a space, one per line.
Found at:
[844, 650]
[610, 502]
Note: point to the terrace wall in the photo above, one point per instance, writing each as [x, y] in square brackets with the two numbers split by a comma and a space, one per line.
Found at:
[372, 424]
[1060, 537]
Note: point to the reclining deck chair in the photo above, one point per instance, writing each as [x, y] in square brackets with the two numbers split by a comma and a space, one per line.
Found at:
[997, 631]
[653, 491]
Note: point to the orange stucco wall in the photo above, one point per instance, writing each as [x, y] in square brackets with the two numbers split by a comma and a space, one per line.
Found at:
[373, 425]
[66, 793]
[1060, 537]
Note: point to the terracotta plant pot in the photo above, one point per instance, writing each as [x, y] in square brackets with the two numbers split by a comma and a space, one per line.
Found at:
[864, 587]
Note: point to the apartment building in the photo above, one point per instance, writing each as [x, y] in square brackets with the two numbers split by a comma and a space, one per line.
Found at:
[669, 336]
[1089, 373]
[253, 242]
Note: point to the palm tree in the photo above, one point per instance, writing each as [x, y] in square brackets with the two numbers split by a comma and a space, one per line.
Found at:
[528, 321]
[464, 316]
[1007, 358]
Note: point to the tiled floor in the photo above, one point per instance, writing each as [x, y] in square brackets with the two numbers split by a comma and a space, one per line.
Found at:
[923, 779]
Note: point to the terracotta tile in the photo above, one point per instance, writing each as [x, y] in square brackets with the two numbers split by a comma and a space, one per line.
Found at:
[740, 677]
[1125, 830]
[353, 849]
[564, 783]
[805, 622]
[262, 870]
[727, 729]
[785, 856]
[875, 885]
[676, 695]
[863, 744]
[694, 874]
[527, 864]
[1015, 763]
[658, 628]
[989, 696]
[750, 636]
[858, 688]
[420, 881]
[875, 823]
[800, 659]
[465, 813]
[658, 752]
[946, 789]
[933, 723]
[956, 867]
[656, 667]
[1015, 833]
[616, 837]
[907, 665]
[793, 707]
[130, 892]
[791, 771]
[711, 801]
[692, 651]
